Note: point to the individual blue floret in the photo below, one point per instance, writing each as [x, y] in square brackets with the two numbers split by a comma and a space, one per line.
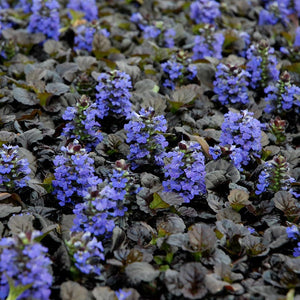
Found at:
[45, 18]
[204, 11]
[184, 170]
[84, 36]
[208, 43]
[231, 85]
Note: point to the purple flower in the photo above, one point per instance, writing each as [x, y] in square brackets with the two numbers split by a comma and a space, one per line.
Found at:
[14, 171]
[151, 32]
[185, 171]
[282, 96]
[296, 252]
[45, 18]
[261, 65]
[84, 36]
[297, 37]
[243, 132]
[122, 295]
[293, 232]
[145, 135]
[74, 174]
[169, 35]
[88, 7]
[231, 85]
[28, 264]
[86, 251]
[83, 125]
[113, 94]
[208, 43]
[204, 11]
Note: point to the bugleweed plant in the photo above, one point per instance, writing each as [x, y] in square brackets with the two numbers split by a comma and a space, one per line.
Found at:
[14, 171]
[113, 95]
[261, 65]
[24, 267]
[45, 18]
[178, 70]
[282, 97]
[82, 123]
[145, 136]
[204, 11]
[74, 174]
[184, 170]
[208, 43]
[275, 176]
[231, 85]
[241, 133]
[86, 253]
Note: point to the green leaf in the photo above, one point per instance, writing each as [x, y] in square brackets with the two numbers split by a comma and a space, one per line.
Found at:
[43, 97]
[159, 259]
[293, 68]
[164, 268]
[76, 15]
[169, 258]
[16, 291]
[158, 202]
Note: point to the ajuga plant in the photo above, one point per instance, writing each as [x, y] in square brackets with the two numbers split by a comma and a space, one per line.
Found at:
[231, 85]
[113, 95]
[82, 123]
[104, 203]
[282, 97]
[204, 11]
[261, 64]
[45, 18]
[275, 12]
[275, 176]
[84, 36]
[145, 136]
[184, 170]
[86, 253]
[74, 174]
[24, 267]
[241, 135]
[208, 43]
[277, 128]
[293, 233]
[14, 171]
[178, 70]
[88, 7]
[156, 30]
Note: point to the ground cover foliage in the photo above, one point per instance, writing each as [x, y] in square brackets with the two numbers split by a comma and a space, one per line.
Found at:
[149, 149]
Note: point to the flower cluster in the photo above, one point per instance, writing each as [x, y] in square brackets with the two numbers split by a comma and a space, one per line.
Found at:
[88, 7]
[293, 233]
[242, 133]
[14, 171]
[145, 135]
[45, 18]
[84, 36]
[86, 252]
[261, 64]
[185, 171]
[25, 5]
[169, 36]
[282, 96]
[113, 94]
[74, 174]
[24, 261]
[83, 125]
[178, 69]
[231, 85]
[208, 43]
[275, 176]
[204, 11]
[103, 203]
[274, 12]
